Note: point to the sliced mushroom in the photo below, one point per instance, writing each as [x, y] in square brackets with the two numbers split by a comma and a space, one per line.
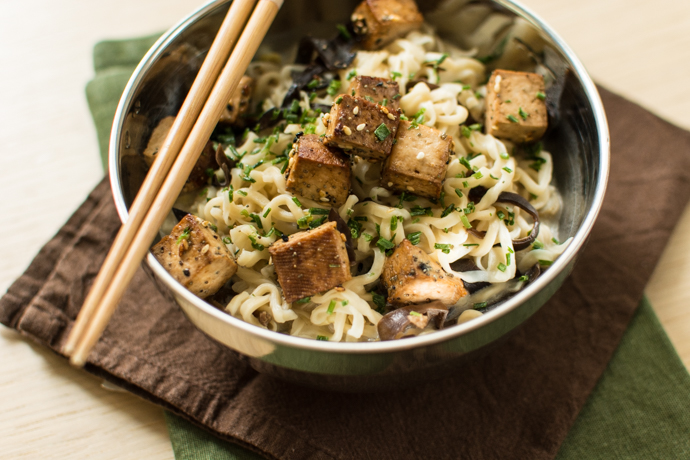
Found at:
[412, 320]
[477, 193]
[226, 164]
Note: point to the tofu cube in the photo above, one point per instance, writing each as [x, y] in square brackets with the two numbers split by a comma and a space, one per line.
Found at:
[418, 162]
[377, 90]
[382, 21]
[195, 256]
[411, 277]
[361, 128]
[514, 109]
[238, 104]
[317, 172]
[207, 160]
[311, 262]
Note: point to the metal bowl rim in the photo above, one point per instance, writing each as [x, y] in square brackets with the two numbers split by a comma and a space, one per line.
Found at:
[382, 346]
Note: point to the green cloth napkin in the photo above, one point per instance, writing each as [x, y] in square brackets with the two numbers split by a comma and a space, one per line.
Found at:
[640, 408]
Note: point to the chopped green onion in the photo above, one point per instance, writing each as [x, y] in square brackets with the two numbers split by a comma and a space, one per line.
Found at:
[304, 300]
[394, 223]
[255, 245]
[458, 192]
[465, 221]
[555, 241]
[467, 132]
[448, 210]
[541, 95]
[502, 267]
[302, 222]
[512, 119]
[267, 212]
[351, 73]
[414, 313]
[339, 100]
[227, 240]
[296, 201]
[395, 75]
[331, 307]
[477, 175]
[242, 192]
[379, 301]
[368, 237]
[507, 169]
[504, 155]
[537, 245]
[480, 305]
[470, 244]
[523, 278]
[545, 263]
[322, 337]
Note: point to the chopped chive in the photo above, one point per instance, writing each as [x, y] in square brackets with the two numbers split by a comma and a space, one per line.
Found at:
[368, 237]
[545, 263]
[445, 248]
[351, 73]
[322, 337]
[302, 222]
[493, 177]
[343, 31]
[541, 95]
[477, 175]
[385, 244]
[501, 215]
[227, 240]
[470, 244]
[382, 132]
[304, 300]
[242, 192]
[502, 267]
[414, 238]
[215, 229]
[467, 132]
[344, 302]
[267, 212]
[476, 127]
[463, 161]
[255, 245]
[507, 169]
[331, 307]
[465, 184]
[379, 301]
[504, 155]
[394, 223]
[318, 211]
[465, 221]
[480, 305]
[294, 106]
[184, 235]
[395, 75]
[333, 87]
[512, 119]
[523, 278]
[414, 313]
[448, 210]
[296, 201]
[523, 114]
[508, 259]
[458, 192]
[555, 241]
[537, 245]
[339, 100]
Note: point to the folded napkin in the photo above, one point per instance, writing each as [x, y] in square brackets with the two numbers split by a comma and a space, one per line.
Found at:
[519, 401]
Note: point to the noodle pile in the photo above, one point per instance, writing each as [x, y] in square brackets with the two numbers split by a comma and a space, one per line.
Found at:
[255, 209]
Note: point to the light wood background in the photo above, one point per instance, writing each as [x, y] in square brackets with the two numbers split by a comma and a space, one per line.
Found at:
[49, 162]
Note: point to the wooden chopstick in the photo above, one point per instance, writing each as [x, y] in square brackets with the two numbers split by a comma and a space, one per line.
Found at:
[203, 83]
[234, 69]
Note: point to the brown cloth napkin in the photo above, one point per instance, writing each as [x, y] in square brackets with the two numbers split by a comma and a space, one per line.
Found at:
[517, 402]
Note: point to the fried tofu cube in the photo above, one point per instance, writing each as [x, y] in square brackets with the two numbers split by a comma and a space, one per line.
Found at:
[238, 104]
[515, 107]
[382, 21]
[207, 160]
[311, 262]
[195, 256]
[379, 90]
[317, 172]
[411, 277]
[418, 162]
[361, 128]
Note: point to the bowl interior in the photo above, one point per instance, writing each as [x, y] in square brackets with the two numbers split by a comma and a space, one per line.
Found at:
[578, 141]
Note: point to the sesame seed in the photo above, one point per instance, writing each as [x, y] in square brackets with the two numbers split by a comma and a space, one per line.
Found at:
[347, 130]
[355, 110]
[391, 116]
[420, 155]
[497, 85]
[361, 126]
[411, 189]
[390, 184]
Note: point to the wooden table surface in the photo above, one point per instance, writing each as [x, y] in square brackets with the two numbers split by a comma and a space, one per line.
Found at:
[49, 162]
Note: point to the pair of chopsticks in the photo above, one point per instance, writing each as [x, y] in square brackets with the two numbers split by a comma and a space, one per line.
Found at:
[177, 156]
